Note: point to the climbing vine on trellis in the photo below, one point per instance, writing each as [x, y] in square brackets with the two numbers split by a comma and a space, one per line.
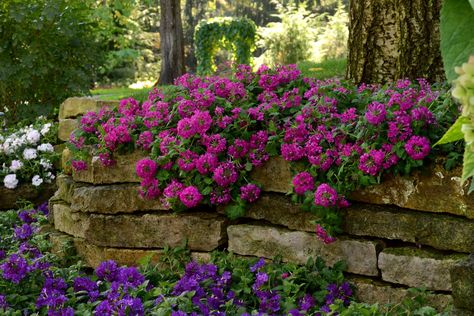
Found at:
[237, 35]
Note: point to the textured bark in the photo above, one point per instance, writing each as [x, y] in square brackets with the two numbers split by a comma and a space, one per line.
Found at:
[172, 43]
[393, 39]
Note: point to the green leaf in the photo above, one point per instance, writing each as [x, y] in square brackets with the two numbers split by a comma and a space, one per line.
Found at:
[454, 133]
[457, 42]
[468, 164]
[472, 3]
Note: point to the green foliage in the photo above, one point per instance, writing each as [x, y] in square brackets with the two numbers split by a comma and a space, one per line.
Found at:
[454, 133]
[416, 304]
[289, 41]
[49, 50]
[332, 42]
[236, 35]
[457, 42]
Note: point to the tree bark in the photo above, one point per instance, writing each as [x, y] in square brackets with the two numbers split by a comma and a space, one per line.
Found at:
[172, 43]
[394, 39]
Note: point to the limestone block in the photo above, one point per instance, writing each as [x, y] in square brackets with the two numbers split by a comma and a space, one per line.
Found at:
[202, 231]
[297, 246]
[417, 268]
[110, 199]
[123, 171]
[436, 230]
[432, 189]
[275, 175]
[462, 279]
[66, 127]
[371, 292]
[76, 106]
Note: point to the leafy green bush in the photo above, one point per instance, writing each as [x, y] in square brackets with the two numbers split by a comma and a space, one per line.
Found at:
[49, 50]
[289, 41]
[236, 35]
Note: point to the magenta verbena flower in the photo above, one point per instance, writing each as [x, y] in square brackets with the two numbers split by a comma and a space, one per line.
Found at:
[225, 174]
[190, 196]
[417, 147]
[79, 165]
[303, 182]
[376, 113]
[325, 195]
[172, 190]
[146, 168]
[323, 235]
[149, 188]
[249, 192]
[372, 162]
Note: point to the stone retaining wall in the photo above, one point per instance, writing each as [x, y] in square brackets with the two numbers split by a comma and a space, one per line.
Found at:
[415, 231]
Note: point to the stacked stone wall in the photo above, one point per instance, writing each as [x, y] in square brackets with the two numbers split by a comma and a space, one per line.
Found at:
[415, 231]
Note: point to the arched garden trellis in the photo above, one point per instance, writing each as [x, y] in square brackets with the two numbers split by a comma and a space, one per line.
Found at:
[236, 35]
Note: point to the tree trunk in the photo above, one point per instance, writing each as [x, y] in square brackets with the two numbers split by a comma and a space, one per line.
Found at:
[172, 44]
[394, 39]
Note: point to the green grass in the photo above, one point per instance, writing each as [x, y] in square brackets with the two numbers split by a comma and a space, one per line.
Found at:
[323, 70]
[120, 93]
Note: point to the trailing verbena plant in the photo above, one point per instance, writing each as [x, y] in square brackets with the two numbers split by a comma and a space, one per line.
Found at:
[27, 154]
[237, 35]
[206, 136]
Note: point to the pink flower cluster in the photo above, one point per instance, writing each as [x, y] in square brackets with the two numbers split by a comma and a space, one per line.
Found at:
[206, 135]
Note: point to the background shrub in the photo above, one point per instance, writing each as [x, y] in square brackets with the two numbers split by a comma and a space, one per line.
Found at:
[49, 50]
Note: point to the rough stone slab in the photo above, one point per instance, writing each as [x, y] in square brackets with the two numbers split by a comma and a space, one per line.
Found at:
[66, 186]
[274, 176]
[417, 268]
[110, 199]
[371, 292]
[36, 195]
[203, 231]
[75, 224]
[279, 210]
[436, 230]
[122, 172]
[66, 127]
[296, 246]
[65, 161]
[462, 279]
[76, 106]
[433, 189]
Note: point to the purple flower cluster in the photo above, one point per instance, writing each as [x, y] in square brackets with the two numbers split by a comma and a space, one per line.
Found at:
[211, 289]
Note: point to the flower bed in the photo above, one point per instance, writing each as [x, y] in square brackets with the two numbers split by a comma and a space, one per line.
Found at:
[27, 155]
[207, 135]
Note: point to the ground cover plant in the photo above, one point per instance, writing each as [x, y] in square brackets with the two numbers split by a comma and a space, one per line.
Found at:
[33, 281]
[206, 134]
[27, 154]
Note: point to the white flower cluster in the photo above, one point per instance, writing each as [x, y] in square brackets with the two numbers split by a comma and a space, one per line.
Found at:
[27, 155]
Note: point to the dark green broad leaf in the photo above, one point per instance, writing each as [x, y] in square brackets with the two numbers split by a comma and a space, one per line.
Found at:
[454, 133]
[457, 40]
